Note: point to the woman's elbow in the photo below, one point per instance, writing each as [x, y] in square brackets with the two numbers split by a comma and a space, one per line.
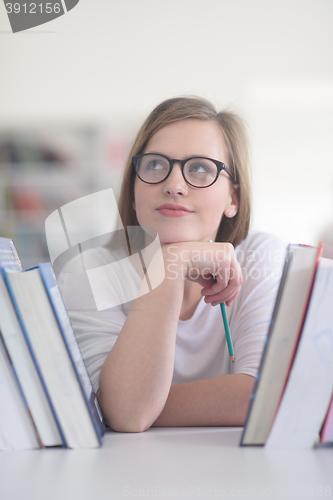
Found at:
[126, 423]
[121, 420]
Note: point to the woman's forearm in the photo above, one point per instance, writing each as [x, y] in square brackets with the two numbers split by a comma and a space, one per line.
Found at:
[136, 376]
[216, 401]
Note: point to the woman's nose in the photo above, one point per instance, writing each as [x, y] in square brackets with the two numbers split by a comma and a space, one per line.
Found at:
[175, 184]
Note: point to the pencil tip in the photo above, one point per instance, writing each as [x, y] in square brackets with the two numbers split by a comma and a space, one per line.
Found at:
[232, 358]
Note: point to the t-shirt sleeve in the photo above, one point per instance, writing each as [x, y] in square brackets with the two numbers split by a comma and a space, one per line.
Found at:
[96, 335]
[261, 259]
[95, 330]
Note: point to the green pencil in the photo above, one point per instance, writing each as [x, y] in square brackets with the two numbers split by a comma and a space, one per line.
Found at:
[227, 332]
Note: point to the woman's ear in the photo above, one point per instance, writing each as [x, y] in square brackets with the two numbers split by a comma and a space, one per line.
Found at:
[232, 208]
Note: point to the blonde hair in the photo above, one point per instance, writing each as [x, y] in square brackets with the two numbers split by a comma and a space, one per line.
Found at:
[232, 230]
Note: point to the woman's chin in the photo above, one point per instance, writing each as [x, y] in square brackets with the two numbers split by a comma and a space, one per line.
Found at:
[168, 240]
[174, 239]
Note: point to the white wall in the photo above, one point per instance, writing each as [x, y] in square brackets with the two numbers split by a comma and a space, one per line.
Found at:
[269, 60]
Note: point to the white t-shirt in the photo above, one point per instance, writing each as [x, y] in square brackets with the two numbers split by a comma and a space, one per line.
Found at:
[201, 349]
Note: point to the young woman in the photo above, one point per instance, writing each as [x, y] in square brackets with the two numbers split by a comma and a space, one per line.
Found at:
[162, 359]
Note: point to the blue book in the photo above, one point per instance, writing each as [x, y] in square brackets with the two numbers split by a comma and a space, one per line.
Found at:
[22, 363]
[66, 328]
[51, 340]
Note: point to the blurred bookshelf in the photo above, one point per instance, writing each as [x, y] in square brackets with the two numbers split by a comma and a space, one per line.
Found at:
[44, 167]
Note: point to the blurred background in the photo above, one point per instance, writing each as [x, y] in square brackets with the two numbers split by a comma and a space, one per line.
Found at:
[74, 91]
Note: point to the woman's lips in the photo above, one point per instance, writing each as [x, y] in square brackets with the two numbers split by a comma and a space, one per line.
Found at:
[173, 210]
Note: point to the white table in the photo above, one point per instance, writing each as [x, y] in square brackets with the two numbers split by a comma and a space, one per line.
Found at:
[167, 463]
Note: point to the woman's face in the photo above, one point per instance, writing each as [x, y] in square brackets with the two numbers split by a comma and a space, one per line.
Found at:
[203, 207]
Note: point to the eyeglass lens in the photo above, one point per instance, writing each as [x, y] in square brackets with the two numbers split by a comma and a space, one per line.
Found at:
[198, 172]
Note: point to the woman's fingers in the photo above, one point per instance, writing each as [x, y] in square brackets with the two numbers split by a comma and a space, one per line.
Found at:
[227, 298]
[228, 295]
[213, 265]
[220, 276]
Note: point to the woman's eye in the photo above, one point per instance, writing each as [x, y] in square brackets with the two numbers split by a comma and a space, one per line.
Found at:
[155, 165]
[199, 168]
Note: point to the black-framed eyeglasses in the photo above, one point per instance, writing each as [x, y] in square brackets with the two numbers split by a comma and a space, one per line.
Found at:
[198, 171]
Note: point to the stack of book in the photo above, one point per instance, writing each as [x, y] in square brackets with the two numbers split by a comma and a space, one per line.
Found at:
[46, 397]
[291, 405]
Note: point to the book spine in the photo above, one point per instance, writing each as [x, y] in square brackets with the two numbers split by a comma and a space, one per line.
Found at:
[319, 253]
[72, 347]
[258, 376]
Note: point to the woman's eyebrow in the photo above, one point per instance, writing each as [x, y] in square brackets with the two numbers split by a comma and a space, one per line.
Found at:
[185, 157]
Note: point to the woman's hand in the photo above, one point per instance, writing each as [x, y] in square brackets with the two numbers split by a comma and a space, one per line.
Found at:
[213, 265]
